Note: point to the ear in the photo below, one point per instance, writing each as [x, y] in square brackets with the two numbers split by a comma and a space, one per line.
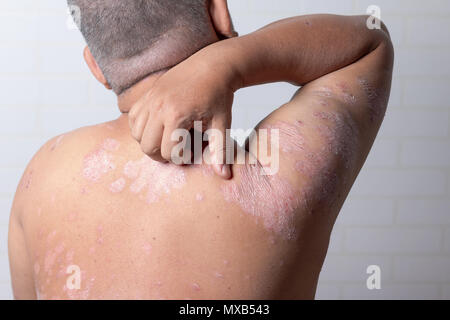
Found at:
[221, 18]
[95, 69]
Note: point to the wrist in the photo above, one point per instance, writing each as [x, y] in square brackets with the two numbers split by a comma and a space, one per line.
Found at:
[224, 59]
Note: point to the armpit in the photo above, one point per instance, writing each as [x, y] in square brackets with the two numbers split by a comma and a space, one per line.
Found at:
[269, 198]
[322, 149]
[377, 102]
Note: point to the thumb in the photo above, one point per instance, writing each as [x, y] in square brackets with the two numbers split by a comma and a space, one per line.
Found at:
[218, 146]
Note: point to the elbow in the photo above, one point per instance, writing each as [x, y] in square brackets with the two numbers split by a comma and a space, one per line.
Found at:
[386, 43]
[385, 29]
[383, 34]
[377, 28]
[381, 39]
[377, 35]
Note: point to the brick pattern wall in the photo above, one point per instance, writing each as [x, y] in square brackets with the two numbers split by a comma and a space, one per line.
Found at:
[398, 213]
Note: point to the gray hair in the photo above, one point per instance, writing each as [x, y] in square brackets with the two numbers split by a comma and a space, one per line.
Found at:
[131, 39]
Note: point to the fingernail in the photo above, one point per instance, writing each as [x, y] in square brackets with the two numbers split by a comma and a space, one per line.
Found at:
[226, 172]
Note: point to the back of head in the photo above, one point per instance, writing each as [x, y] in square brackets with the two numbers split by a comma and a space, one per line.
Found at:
[131, 39]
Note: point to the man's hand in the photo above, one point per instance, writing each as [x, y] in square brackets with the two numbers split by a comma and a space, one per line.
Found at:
[195, 90]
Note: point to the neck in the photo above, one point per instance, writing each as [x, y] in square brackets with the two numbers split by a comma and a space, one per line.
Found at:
[128, 98]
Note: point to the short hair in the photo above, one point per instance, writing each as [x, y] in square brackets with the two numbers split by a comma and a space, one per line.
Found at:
[131, 39]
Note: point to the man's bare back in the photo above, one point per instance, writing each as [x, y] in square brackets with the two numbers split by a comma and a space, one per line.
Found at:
[140, 229]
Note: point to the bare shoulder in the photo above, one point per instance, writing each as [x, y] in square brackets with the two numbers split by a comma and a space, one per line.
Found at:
[56, 166]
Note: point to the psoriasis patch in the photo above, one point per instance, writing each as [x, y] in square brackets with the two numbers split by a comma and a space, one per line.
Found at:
[324, 92]
[156, 179]
[109, 126]
[69, 256]
[339, 135]
[199, 197]
[324, 103]
[100, 161]
[147, 247]
[290, 140]
[57, 143]
[111, 145]
[376, 104]
[51, 236]
[339, 141]
[269, 198]
[277, 211]
[27, 179]
[207, 170]
[118, 185]
[51, 258]
[347, 95]
[100, 239]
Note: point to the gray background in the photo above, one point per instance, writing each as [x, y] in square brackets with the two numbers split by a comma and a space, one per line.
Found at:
[398, 213]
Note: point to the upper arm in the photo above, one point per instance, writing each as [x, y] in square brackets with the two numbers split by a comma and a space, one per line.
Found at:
[327, 130]
[19, 260]
[46, 174]
[29, 196]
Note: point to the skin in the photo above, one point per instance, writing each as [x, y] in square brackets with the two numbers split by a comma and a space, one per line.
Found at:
[140, 229]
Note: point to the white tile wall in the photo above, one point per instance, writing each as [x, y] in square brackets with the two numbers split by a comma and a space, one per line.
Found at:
[393, 240]
[398, 213]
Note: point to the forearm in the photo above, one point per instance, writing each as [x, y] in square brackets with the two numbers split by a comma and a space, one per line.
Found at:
[298, 50]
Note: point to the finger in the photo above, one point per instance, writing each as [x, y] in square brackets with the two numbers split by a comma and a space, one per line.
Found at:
[139, 125]
[217, 145]
[134, 113]
[151, 139]
[170, 149]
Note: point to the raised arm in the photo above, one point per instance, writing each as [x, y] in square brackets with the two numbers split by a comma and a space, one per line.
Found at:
[297, 50]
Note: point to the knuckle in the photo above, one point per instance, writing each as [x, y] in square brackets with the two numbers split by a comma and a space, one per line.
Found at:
[133, 114]
[158, 158]
[135, 134]
[147, 150]
[154, 151]
[175, 115]
[166, 154]
[132, 118]
[157, 106]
